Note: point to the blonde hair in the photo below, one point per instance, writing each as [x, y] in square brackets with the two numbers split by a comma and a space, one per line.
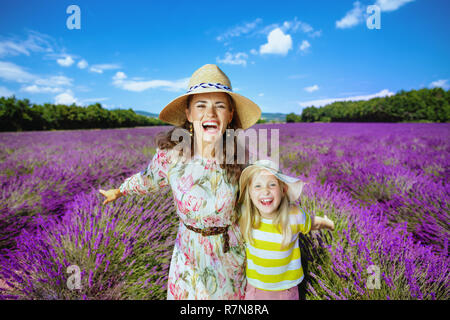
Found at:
[249, 214]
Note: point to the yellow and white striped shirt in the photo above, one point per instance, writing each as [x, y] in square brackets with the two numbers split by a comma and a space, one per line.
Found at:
[268, 266]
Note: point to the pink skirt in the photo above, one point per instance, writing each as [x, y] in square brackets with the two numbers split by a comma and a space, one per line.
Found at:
[252, 293]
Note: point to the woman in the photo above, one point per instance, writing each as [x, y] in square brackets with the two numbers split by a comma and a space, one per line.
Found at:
[208, 260]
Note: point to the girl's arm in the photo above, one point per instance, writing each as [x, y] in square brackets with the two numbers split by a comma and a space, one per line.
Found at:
[318, 223]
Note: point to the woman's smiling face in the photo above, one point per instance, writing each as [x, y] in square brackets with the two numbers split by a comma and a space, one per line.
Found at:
[210, 114]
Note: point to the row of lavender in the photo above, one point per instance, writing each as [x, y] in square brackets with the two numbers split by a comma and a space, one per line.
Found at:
[385, 185]
[51, 217]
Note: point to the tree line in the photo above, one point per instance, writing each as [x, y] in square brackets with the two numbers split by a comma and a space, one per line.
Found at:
[424, 105]
[21, 115]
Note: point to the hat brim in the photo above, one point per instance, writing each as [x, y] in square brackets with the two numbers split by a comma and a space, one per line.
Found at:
[247, 111]
[295, 185]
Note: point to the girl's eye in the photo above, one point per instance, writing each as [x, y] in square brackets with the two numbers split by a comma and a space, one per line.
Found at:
[221, 106]
[200, 106]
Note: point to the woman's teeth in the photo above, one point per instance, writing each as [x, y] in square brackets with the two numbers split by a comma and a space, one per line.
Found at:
[210, 126]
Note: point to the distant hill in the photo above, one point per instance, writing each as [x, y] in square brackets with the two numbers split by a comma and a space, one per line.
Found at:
[281, 117]
[278, 117]
[148, 114]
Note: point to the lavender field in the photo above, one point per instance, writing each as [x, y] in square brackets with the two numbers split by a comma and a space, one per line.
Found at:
[386, 186]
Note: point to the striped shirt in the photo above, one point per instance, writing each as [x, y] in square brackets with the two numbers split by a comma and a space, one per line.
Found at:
[268, 266]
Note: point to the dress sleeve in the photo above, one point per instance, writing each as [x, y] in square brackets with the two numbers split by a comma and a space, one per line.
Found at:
[153, 178]
[304, 221]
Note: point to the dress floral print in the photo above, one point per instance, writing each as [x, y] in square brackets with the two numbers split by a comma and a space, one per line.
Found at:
[203, 197]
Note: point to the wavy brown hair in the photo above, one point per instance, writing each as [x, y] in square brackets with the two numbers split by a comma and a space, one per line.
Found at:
[233, 170]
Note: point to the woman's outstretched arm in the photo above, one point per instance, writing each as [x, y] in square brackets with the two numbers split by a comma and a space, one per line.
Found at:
[111, 195]
[150, 180]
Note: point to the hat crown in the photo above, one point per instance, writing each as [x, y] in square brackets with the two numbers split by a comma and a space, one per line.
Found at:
[209, 73]
[267, 163]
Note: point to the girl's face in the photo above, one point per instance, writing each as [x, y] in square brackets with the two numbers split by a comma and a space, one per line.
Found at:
[265, 193]
[210, 114]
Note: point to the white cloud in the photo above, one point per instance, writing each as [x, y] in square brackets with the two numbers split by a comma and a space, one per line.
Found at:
[99, 68]
[261, 94]
[304, 46]
[239, 30]
[66, 98]
[292, 26]
[38, 89]
[239, 58]
[82, 64]
[12, 72]
[119, 76]
[92, 100]
[277, 43]
[440, 83]
[267, 29]
[391, 5]
[120, 81]
[67, 61]
[352, 18]
[254, 29]
[54, 81]
[36, 42]
[312, 88]
[34, 83]
[4, 92]
[320, 103]
[297, 25]
[9, 47]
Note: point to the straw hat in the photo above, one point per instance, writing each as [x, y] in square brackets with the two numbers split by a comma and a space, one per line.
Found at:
[210, 78]
[295, 185]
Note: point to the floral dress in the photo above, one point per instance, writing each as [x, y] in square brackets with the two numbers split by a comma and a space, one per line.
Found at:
[199, 269]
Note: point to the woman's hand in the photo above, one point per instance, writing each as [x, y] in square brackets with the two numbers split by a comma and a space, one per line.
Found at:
[111, 195]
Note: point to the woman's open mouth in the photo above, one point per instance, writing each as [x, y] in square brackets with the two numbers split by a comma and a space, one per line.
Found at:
[211, 127]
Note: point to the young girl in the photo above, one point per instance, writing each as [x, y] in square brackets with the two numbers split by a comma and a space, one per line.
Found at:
[270, 225]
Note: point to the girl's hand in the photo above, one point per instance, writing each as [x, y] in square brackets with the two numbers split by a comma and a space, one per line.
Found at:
[329, 224]
[110, 195]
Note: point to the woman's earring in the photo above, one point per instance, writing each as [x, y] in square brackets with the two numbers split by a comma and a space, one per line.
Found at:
[228, 131]
[191, 129]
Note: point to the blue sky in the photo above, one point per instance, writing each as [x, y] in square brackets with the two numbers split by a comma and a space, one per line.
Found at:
[284, 55]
